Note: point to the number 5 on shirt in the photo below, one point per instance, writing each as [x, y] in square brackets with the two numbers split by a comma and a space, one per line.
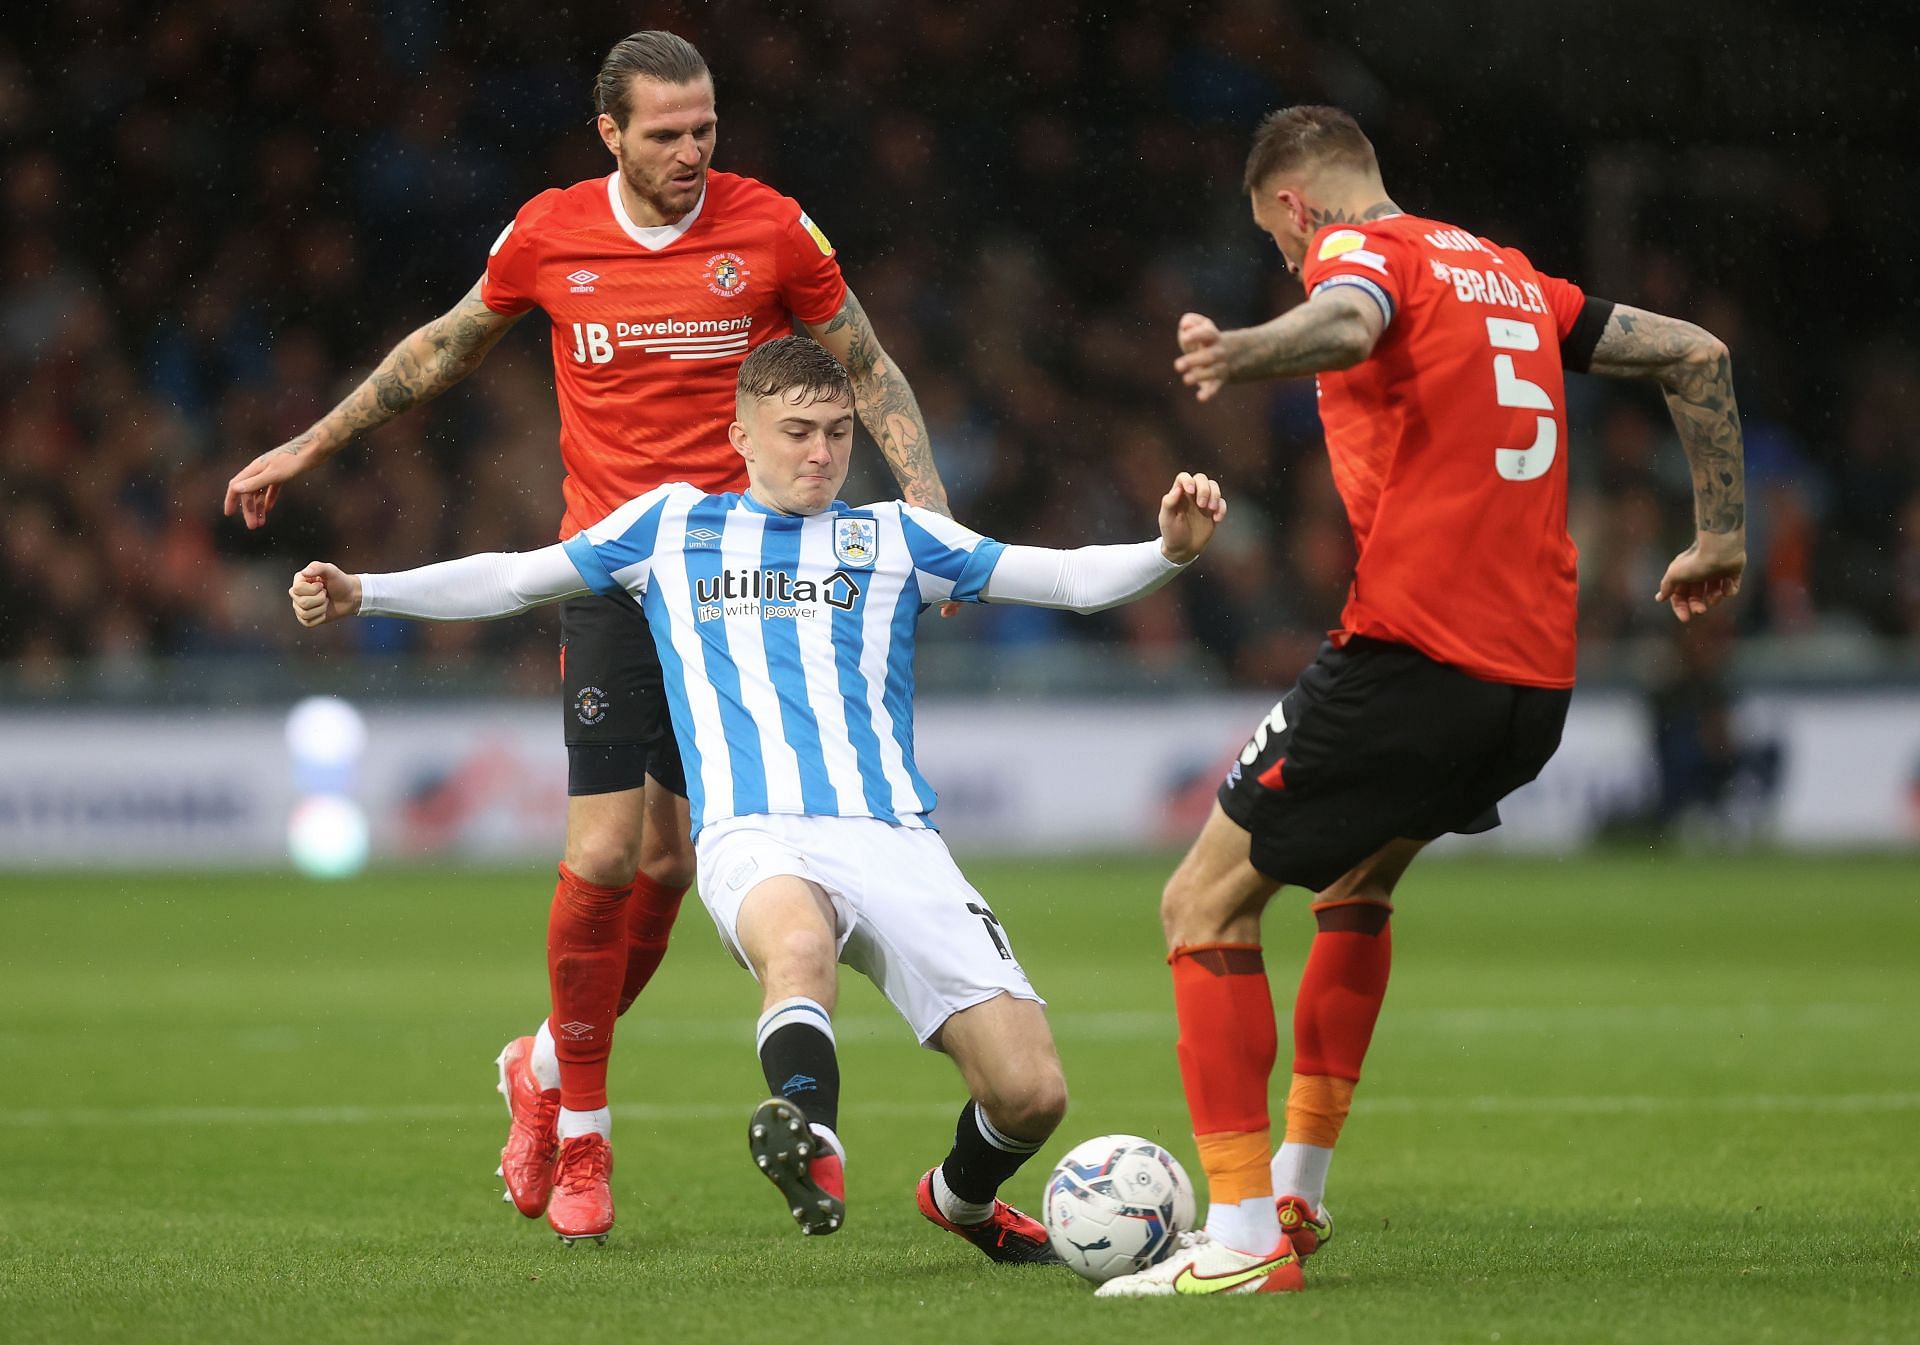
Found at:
[1521, 464]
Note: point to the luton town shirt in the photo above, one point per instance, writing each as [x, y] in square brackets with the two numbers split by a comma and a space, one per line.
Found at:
[649, 325]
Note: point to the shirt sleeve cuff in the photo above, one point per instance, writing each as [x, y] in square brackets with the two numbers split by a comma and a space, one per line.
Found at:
[586, 560]
[977, 571]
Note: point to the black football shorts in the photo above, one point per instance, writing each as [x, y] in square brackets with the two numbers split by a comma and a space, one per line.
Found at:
[1378, 742]
[618, 730]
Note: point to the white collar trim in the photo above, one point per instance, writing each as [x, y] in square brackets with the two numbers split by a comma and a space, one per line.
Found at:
[657, 236]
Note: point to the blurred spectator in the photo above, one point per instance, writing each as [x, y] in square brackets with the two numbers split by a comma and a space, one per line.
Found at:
[1714, 784]
[217, 217]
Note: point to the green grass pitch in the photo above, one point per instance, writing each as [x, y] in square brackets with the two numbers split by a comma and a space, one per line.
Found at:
[1629, 1098]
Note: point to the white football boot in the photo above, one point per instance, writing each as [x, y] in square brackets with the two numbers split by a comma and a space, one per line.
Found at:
[1200, 1265]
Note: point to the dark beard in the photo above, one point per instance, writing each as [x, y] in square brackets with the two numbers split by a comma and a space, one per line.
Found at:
[668, 210]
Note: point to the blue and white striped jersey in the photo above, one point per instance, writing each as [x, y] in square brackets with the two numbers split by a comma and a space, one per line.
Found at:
[787, 642]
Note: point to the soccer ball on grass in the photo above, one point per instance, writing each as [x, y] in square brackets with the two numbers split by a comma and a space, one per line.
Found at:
[1113, 1205]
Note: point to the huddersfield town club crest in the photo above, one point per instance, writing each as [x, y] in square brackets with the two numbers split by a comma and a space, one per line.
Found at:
[856, 542]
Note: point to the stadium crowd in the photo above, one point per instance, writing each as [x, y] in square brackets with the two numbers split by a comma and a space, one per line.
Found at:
[218, 216]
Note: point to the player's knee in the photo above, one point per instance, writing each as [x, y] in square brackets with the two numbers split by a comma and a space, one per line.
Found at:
[603, 864]
[800, 956]
[605, 857]
[1046, 1103]
[667, 865]
[1031, 1105]
[1187, 915]
[1176, 901]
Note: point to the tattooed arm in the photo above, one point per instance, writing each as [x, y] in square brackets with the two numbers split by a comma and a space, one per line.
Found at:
[1335, 329]
[885, 403]
[424, 365]
[1695, 372]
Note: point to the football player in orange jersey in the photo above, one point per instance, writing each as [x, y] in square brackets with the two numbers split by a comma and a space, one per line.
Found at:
[657, 280]
[1440, 359]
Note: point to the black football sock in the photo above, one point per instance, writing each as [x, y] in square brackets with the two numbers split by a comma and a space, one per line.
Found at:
[797, 1056]
[982, 1159]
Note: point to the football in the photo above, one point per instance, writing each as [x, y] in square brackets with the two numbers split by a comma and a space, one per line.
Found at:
[1114, 1203]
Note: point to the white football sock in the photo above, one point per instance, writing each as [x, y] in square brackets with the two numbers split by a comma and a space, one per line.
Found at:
[832, 1140]
[1301, 1170]
[1251, 1226]
[596, 1122]
[545, 1063]
[957, 1210]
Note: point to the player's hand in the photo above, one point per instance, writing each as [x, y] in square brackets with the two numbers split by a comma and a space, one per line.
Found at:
[323, 593]
[948, 609]
[1203, 365]
[1189, 512]
[1704, 575]
[256, 487]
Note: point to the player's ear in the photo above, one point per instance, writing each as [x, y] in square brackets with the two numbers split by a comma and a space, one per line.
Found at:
[1290, 206]
[609, 133]
[737, 436]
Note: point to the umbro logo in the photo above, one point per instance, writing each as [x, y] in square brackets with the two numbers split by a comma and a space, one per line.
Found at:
[702, 536]
[583, 281]
[577, 1031]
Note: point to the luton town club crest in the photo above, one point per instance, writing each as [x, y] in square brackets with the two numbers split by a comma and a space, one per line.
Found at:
[856, 542]
[727, 274]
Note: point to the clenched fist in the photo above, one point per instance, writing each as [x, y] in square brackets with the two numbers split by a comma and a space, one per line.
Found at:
[323, 593]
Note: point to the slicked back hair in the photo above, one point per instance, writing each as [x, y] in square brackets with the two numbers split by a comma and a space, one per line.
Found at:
[1307, 134]
[652, 54]
[789, 362]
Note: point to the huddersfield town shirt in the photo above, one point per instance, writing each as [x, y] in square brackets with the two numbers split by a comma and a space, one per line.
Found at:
[787, 642]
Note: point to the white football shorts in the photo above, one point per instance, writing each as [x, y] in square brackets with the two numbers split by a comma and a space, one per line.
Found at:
[906, 918]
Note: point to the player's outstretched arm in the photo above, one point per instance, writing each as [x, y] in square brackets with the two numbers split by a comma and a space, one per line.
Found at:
[885, 403]
[1092, 578]
[425, 364]
[1335, 329]
[1694, 370]
[473, 588]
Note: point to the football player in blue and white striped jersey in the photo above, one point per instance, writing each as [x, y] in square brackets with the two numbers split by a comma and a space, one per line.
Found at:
[785, 621]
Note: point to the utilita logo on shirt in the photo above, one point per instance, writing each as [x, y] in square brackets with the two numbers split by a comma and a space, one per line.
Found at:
[773, 595]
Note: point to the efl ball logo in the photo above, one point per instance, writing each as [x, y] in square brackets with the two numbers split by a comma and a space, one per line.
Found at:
[727, 274]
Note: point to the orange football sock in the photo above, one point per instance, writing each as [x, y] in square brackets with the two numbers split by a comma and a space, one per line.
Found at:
[586, 960]
[1228, 1043]
[650, 916]
[1317, 1106]
[1236, 1164]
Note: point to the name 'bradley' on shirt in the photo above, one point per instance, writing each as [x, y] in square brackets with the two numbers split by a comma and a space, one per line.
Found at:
[1491, 287]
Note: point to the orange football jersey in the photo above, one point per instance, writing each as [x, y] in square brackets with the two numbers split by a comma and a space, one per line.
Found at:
[1449, 449]
[650, 325]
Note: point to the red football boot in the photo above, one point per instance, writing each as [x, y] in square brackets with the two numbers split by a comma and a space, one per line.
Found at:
[1307, 1233]
[1006, 1235]
[526, 1163]
[582, 1204]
